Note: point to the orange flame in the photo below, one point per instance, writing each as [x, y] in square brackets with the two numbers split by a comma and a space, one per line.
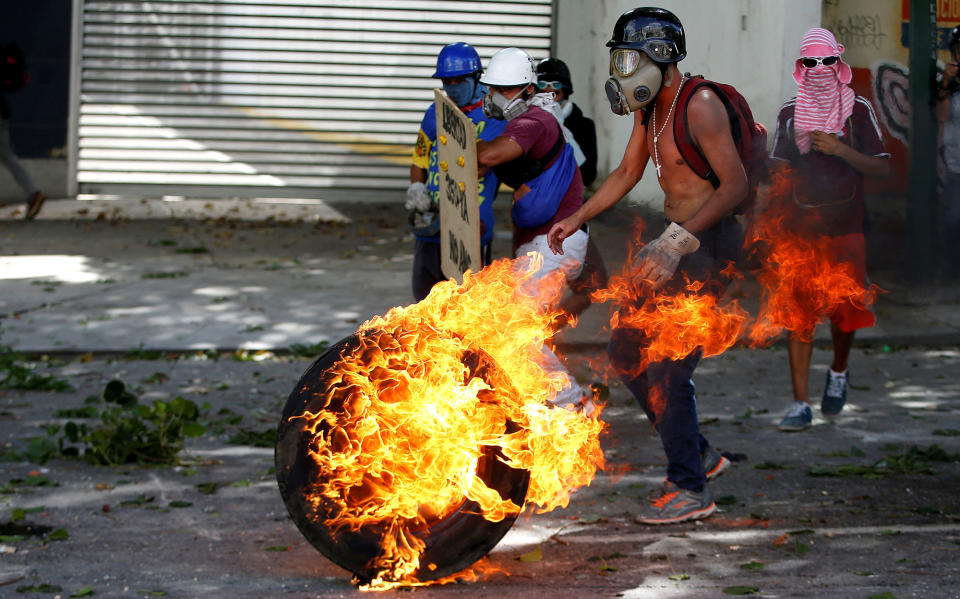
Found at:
[676, 324]
[803, 278]
[416, 417]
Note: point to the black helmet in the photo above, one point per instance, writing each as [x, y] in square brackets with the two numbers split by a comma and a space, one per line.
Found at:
[954, 37]
[656, 31]
[554, 69]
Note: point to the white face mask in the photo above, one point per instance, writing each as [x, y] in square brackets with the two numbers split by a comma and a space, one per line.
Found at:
[497, 106]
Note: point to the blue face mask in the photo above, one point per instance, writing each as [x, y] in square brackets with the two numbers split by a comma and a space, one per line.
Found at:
[461, 93]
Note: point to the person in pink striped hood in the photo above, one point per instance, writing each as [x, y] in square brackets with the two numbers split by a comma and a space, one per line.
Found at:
[829, 137]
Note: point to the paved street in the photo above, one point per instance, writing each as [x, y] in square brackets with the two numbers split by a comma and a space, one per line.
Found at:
[179, 301]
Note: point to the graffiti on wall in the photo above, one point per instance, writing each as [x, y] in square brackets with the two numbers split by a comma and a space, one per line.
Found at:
[890, 85]
[860, 31]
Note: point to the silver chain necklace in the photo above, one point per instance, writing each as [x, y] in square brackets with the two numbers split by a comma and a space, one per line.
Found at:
[656, 134]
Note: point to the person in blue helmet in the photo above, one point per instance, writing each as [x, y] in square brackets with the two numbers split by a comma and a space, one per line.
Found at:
[459, 70]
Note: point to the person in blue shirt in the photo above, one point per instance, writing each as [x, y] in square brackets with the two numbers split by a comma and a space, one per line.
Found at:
[459, 69]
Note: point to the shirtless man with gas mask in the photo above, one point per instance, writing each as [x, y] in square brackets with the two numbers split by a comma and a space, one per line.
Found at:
[702, 236]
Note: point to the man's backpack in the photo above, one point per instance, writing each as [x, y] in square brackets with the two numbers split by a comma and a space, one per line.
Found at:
[13, 68]
[749, 136]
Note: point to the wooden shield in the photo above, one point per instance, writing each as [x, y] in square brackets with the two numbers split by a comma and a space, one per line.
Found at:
[459, 195]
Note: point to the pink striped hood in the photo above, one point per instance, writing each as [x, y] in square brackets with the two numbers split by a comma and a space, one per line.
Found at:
[824, 98]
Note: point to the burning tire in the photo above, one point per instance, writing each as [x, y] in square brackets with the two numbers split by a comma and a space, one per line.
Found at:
[452, 538]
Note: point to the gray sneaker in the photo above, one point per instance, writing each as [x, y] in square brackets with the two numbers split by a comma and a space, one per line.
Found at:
[677, 505]
[713, 463]
[798, 417]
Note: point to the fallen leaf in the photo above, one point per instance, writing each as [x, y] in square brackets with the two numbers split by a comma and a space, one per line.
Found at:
[531, 556]
[781, 540]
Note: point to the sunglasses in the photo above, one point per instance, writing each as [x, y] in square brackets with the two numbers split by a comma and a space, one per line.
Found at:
[813, 61]
[552, 85]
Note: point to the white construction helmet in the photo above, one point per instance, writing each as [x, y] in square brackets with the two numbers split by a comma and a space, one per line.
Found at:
[509, 67]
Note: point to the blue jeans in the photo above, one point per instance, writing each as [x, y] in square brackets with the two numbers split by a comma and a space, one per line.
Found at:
[671, 381]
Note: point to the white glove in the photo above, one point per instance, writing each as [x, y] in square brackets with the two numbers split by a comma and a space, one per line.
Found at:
[658, 260]
[418, 198]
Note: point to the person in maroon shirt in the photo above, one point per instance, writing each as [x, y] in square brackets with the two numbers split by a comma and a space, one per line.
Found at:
[830, 138]
[532, 156]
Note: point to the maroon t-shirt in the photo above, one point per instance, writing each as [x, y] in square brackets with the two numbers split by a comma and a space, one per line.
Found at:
[828, 189]
[536, 131]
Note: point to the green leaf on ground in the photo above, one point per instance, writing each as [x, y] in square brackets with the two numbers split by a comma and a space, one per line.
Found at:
[84, 592]
[33, 481]
[138, 500]
[863, 572]
[277, 548]
[11, 538]
[40, 588]
[752, 566]
[531, 556]
[679, 577]
[605, 567]
[947, 432]
[178, 503]
[59, 534]
[264, 438]
[208, 488]
[768, 465]
[309, 350]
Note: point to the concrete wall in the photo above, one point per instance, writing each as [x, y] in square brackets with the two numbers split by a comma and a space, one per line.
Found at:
[750, 44]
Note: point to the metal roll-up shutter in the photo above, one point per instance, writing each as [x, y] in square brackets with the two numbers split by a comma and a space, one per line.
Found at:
[286, 98]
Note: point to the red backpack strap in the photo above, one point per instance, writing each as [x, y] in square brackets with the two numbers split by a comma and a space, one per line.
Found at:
[681, 132]
[681, 128]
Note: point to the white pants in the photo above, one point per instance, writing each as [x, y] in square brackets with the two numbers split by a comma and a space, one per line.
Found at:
[571, 263]
[9, 160]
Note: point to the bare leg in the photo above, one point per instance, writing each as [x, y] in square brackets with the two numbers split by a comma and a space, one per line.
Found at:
[842, 343]
[799, 353]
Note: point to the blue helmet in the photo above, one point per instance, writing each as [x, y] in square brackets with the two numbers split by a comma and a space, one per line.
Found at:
[456, 60]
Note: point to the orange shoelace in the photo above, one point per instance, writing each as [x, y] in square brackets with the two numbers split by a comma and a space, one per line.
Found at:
[665, 499]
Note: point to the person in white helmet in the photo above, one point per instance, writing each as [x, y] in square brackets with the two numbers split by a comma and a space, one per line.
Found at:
[533, 157]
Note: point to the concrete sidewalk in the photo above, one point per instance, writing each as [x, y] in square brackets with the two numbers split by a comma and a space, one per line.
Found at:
[845, 509]
[115, 275]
